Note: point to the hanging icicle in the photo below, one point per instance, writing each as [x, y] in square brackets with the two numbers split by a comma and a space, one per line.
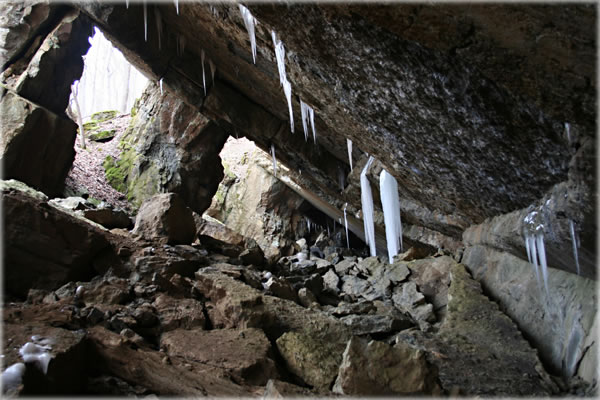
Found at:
[145, 21]
[533, 232]
[390, 203]
[346, 225]
[250, 23]
[366, 197]
[203, 77]
[287, 86]
[349, 142]
[161, 87]
[312, 123]
[177, 6]
[308, 118]
[304, 114]
[575, 242]
[158, 20]
[274, 160]
[127, 4]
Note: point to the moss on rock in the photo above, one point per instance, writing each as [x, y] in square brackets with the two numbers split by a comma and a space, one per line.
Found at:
[102, 136]
[102, 116]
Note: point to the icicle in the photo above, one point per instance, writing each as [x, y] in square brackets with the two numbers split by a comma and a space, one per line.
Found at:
[287, 86]
[312, 123]
[346, 225]
[308, 118]
[542, 254]
[127, 4]
[366, 197]
[203, 79]
[274, 160]
[213, 69]
[575, 242]
[328, 229]
[287, 89]
[161, 88]
[341, 178]
[177, 6]
[391, 213]
[145, 21]
[304, 114]
[280, 56]
[158, 20]
[349, 142]
[250, 22]
[568, 131]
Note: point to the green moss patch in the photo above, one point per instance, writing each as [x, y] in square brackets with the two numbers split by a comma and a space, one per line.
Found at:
[102, 136]
[104, 115]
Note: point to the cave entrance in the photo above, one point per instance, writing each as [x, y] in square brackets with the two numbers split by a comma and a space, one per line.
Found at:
[105, 98]
[255, 203]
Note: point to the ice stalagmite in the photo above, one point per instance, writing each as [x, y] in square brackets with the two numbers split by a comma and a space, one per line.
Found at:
[250, 23]
[346, 225]
[274, 160]
[366, 197]
[575, 242]
[145, 21]
[349, 142]
[287, 86]
[203, 77]
[391, 213]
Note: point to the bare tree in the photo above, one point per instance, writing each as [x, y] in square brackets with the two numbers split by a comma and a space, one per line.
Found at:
[77, 111]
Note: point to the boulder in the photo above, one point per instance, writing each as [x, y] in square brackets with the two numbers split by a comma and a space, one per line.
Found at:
[478, 337]
[46, 247]
[57, 62]
[360, 307]
[559, 323]
[375, 324]
[63, 374]
[166, 217]
[344, 266]
[354, 286]
[307, 298]
[331, 282]
[376, 368]
[245, 353]
[276, 389]
[281, 288]
[156, 373]
[209, 226]
[408, 299]
[109, 218]
[314, 353]
[314, 343]
[432, 276]
[28, 128]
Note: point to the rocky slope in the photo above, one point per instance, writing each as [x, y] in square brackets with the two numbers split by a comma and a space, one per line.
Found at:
[165, 319]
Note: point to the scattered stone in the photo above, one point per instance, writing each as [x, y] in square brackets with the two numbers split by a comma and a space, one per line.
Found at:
[179, 313]
[345, 265]
[166, 217]
[307, 298]
[331, 282]
[375, 324]
[354, 286]
[281, 288]
[276, 389]
[377, 369]
[109, 218]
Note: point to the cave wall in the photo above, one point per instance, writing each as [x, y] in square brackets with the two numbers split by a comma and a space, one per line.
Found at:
[423, 89]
